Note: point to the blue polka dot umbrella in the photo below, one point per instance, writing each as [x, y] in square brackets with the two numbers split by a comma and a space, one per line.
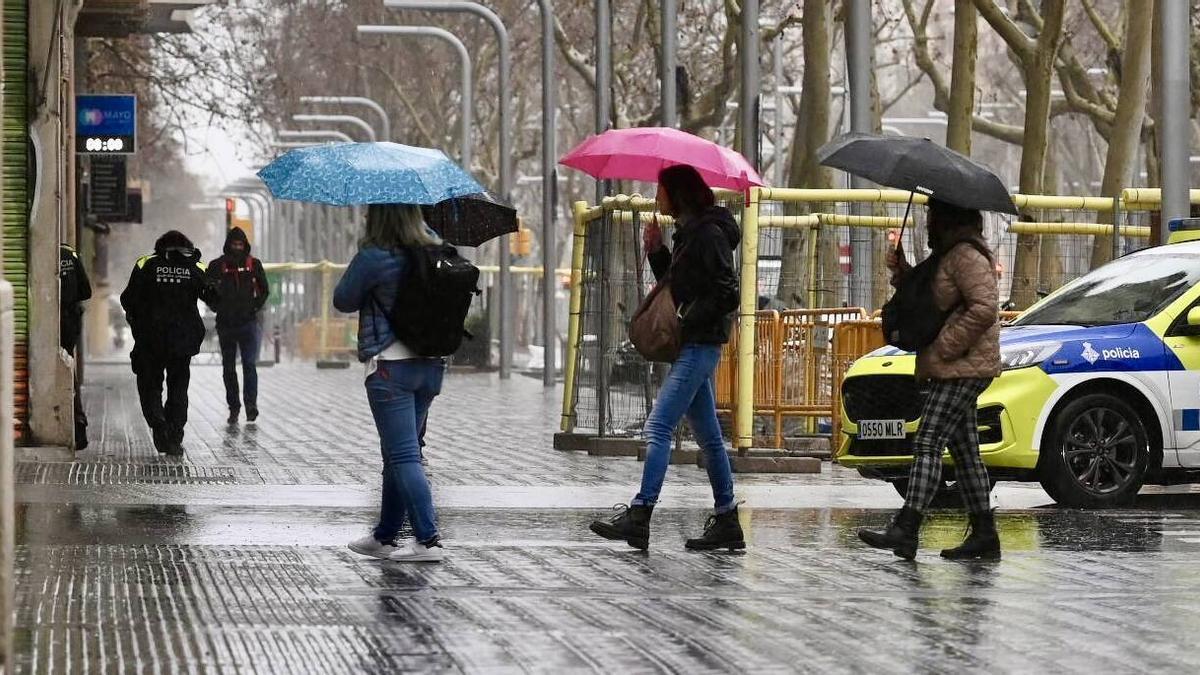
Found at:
[350, 174]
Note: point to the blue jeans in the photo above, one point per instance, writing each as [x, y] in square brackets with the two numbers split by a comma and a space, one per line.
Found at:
[246, 340]
[688, 391]
[400, 393]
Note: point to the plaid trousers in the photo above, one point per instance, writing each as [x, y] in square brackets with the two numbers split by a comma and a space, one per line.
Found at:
[948, 419]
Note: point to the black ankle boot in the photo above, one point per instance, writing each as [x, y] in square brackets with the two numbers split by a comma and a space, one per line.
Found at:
[631, 524]
[982, 542]
[720, 531]
[901, 535]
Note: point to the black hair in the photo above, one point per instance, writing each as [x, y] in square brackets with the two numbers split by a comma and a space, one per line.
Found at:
[172, 239]
[944, 214]
[685, 188]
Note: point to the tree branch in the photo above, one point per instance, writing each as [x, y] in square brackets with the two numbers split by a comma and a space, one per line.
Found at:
[1106, 34]
[577, 60]
[941, 89]
[1006, 28]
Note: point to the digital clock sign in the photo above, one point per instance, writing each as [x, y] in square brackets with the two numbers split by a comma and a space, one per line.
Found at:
[106, 124]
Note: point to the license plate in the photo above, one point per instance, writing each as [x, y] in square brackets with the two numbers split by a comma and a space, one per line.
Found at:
[875, 430]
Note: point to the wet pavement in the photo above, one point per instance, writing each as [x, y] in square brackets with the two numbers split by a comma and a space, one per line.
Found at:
[232, 558]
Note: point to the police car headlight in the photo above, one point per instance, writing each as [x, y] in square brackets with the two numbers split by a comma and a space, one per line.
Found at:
[1023, 356]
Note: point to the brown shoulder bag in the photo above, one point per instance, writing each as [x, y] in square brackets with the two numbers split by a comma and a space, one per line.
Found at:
[654, 329]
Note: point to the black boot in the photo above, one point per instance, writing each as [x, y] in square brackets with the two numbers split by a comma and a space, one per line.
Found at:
[233, 415]
[251, 413]
[631, 525]
[901, 535]
[982, 542]
[159, 433]
[720, 531]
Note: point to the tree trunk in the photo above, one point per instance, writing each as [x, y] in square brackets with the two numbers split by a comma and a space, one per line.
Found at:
[1050, 267]
[962, 77]
[1039, 73]
[811, 132]
[1127, 127]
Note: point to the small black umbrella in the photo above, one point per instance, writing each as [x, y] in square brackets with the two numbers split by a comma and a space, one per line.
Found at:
[471, 220]
[918, 165]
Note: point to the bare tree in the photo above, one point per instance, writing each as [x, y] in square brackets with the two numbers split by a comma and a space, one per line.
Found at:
[962, 78]
[1127, 123]
[1037, 57]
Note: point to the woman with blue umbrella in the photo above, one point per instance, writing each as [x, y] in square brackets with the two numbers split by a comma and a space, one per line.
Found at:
[391, 278]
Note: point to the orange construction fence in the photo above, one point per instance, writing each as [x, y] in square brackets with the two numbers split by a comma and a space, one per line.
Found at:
[799, 359]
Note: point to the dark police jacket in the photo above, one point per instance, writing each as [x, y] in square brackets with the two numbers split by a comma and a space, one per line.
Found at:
[160, 303]
[74, 288]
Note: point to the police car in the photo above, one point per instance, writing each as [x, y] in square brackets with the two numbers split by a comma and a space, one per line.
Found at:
[1100, 391]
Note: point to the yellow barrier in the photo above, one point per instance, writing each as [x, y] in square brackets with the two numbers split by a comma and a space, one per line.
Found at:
[1024, 227]
[582, 215]
[1150, 199]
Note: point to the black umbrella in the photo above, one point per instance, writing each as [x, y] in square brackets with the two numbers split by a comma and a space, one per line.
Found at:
[471, 220]
[919, 165]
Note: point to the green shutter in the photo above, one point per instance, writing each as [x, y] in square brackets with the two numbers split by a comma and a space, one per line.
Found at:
[16, 190]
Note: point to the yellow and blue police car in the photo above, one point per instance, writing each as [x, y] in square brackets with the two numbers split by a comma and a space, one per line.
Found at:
[1100, 392]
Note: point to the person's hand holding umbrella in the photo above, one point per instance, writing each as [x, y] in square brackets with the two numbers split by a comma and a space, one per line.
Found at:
[652, 236]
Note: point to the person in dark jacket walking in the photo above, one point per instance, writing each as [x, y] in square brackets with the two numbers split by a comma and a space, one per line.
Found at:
[74, 289]
[704, 285]
[242, 285]
[160, 306]
[956, 368]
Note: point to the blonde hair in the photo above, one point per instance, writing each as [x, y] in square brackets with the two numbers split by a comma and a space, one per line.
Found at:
[393, 226]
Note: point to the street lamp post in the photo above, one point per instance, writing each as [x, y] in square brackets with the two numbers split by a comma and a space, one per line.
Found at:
[858, 67]
[385, 121]
[750, 80]
[506, 304]
[1175, 138]
[670, 45]
[347, 119]
[314, 133]
[464, 57]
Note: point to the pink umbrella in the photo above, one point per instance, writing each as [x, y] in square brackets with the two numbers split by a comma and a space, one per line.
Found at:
[640, 153]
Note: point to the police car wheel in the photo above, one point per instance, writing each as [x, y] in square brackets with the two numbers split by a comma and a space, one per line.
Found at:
[1097, 453]
[948, 495]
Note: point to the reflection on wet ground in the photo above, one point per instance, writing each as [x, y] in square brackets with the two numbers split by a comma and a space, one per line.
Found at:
[233, 560]
[530, 590]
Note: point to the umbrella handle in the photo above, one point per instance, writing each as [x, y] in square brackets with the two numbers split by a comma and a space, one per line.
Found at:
[904, 223]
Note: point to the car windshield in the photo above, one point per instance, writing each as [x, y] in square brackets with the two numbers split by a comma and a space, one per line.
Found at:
[1128, 290]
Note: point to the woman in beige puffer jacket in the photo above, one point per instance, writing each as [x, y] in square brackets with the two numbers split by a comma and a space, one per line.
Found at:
[957, 367]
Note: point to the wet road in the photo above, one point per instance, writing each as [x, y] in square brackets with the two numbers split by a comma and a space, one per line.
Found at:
[233, 559]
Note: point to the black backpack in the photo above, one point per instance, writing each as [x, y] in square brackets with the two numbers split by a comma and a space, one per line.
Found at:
[433, 300]
[911, 319]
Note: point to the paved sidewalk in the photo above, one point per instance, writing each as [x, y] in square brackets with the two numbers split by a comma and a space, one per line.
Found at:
[232, 558]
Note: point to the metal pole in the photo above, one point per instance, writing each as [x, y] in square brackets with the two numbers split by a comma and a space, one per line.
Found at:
[549, 197]
[858, 65]
[346, 119]
[750, 81]
[1176, 136]
[603, 95]
[507, 321]
[314, 133]
[670, 45]
[386, 122]
[777, 137]
[464, 58]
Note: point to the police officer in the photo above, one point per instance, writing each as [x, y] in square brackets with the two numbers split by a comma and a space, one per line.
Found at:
[160, 306]
[74, 289]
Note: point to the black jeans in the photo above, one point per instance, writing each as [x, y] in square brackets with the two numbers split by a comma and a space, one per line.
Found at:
[244, 339]
[171, 418]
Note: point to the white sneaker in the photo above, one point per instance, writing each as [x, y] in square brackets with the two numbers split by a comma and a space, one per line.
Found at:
[417, 552]
[370, 547]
